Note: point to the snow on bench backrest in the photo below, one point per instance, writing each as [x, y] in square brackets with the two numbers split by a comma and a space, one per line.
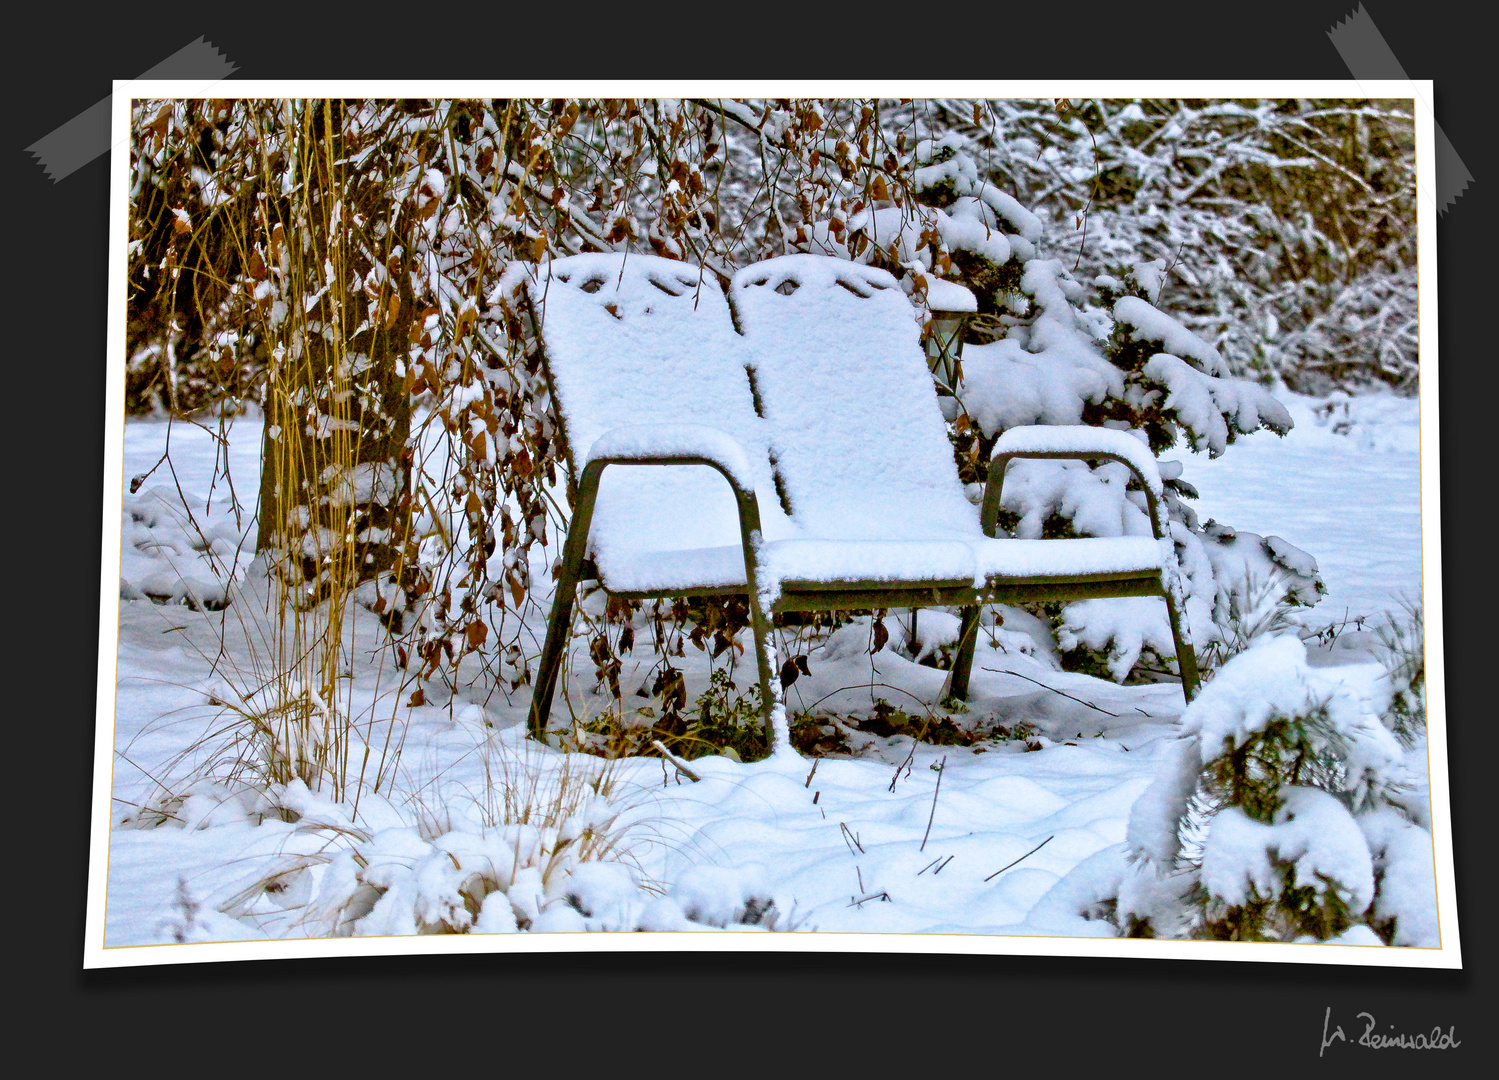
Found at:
[639, 339]
[842, 382]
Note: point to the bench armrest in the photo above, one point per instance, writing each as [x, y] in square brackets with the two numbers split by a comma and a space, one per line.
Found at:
[667, 444]
[674, 444]
[1074, 442]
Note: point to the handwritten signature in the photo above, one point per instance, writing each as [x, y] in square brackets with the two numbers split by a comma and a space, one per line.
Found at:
[1374, 1040]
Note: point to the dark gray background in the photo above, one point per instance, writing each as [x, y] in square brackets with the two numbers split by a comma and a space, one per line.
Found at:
[860, 1015]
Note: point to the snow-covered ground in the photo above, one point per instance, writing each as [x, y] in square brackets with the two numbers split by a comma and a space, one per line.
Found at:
[1344, 486]
[900, 838]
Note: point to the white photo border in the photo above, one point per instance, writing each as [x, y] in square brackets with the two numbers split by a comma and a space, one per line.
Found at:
[97, 955]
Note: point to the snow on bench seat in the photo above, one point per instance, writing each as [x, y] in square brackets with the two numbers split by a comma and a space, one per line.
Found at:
[948, 562]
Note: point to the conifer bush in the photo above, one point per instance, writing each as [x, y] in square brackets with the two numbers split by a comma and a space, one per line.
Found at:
[1285, 810]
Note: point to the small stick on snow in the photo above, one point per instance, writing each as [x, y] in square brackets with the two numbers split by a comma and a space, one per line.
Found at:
[929, 865]
[1027, 855]
[681, 765]
[906, 765]
[851, 838]
[812, 773]
[881, 895]
[939, 767]
[1054, 690]
[943, 866]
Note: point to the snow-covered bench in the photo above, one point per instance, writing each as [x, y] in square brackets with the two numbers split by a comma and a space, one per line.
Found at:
[798, 454]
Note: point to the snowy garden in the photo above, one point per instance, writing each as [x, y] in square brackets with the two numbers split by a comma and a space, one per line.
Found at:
[362, 388]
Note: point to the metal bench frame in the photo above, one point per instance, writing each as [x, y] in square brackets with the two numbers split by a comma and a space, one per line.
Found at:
[801, 596]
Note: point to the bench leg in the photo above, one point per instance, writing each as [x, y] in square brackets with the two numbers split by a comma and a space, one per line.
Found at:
[1186, 658]
[962, 661]
[559, 629]
[772, 697]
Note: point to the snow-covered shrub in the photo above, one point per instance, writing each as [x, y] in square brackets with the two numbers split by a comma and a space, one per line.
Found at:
[477, 880]
[551, 850]
[1279, 812]
[1275, 219]
[721, 897]
[388, 871]
[1368, 333]
[169, 554]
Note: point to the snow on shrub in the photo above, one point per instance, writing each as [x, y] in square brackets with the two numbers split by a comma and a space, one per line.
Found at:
[1276, 815]
[556, 860]
[1405, 905]
[508, 879]
[1369, 332]
[169, 556]
[1276, 220]
[721, 897]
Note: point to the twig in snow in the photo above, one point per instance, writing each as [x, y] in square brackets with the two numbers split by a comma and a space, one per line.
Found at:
[881, 895]
[860, 875]
[681, 765]
[929, 865]
[1054, 690]
[911, 757]
[906, 765]
[939, 767]
[868, 686]
[851, 838]
[1027, 855]
[943, 866]
[812, 773]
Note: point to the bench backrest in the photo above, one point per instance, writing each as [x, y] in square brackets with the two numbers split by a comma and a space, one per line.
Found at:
[823, 383]
[855, 429]
[640, 339]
